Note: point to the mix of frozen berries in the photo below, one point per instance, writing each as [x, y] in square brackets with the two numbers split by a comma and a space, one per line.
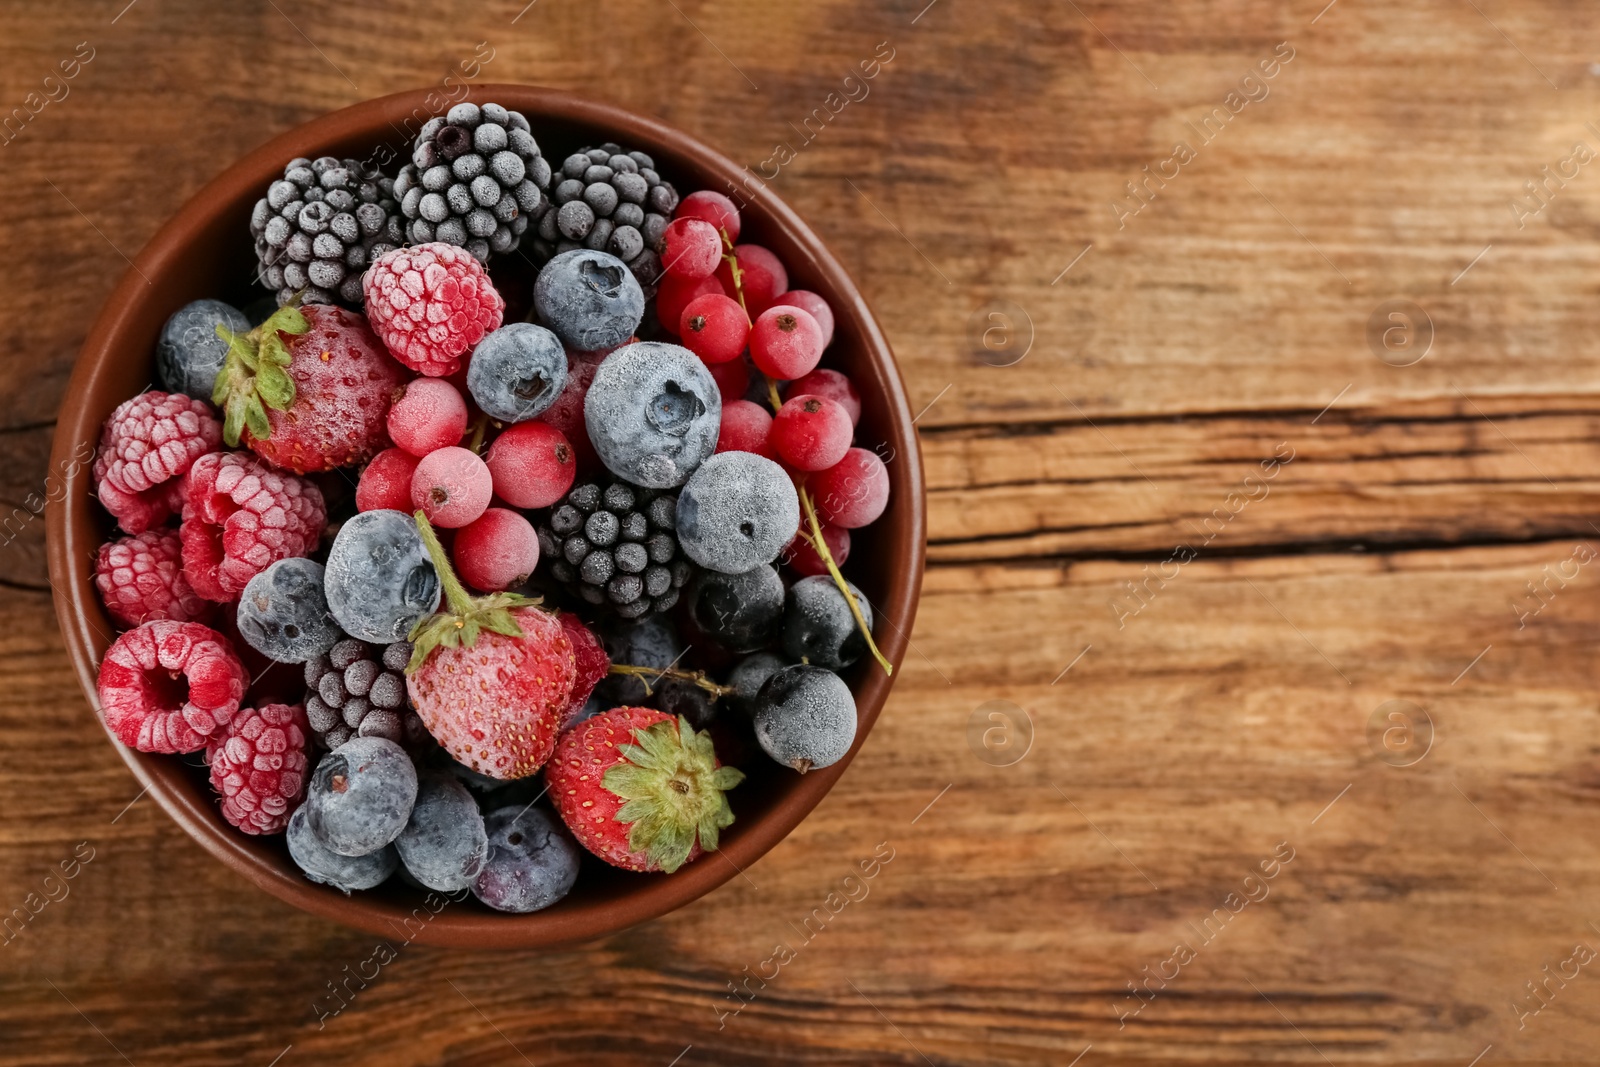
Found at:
[376, 495]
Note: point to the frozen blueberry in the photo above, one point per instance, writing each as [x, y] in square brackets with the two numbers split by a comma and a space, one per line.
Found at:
[736, 512]
[805, 717]
[189, 353]
[283, 613]
[818, 625]
[323, 865]
[361, 795]
[652, 642]
[747, 678]
[653, 413]
[379, 580]
[678, 696]
[590, 299]
[741, 611]
[517, 371]
[532, 862]
[444, 844]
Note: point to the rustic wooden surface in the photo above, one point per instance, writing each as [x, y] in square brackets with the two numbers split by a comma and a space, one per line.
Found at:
[1224, 323]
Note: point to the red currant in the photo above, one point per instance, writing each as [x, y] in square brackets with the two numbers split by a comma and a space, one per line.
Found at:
[853, 492]
[429, 415]
[809, 301]
[834, 386]
[733, 379]
[674, 293]
[761, 276]
[496, 551]
[714, 327]
[714, 208]
[785, 343]
[532, 464]
[811, 433]
[691, 248]
[804, 559]
[745, 428]
[451, 486]
[386, 483]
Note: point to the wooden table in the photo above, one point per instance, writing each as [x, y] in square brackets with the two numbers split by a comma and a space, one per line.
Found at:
[1196, 387]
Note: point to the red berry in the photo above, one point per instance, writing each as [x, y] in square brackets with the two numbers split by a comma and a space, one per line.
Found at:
[691, 248]
[430, 304]
[745, 426]
[673, 294]
[714, 208]
[714, 327]
[785, 342]
[240, 516]
[452, 486]
[806, 300]
[853, 492]
[732, 377]
[590, 660]
[430, 414]
[168, 686]
[811, 433]
[566, 414]
[761, 276]
[141, 579]
[147, 445]
[496, 551]
[532, 465]
[834, 386]
[804, 559]
[258, 766]
[386, 483]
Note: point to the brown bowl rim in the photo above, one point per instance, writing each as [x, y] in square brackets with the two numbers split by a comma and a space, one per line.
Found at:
[72, 534]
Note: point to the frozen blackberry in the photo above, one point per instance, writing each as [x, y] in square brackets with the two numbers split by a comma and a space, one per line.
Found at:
[320, 226]
[609, 200]
[614, 545]
[476, 179]
[358, 690]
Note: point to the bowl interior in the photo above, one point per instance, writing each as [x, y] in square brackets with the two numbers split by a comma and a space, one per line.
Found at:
[204, 251]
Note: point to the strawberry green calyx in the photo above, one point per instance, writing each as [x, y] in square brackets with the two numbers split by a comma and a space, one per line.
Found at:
[253, 378]
[674, 792]
[465, 616]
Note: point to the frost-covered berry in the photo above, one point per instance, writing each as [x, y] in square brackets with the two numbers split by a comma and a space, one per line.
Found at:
[715, 208]
[714, 327]
[322, 865]
[386, 481]
[589, 299]
[761, 277]
[532, 862]
[283, 613]
[428, 415]
[379, 580]
[496, 551]
[738, 511]
[451, 486]
[361, 795]
[818, 625]
[806, 300]
[748, 676]
[532, 465]
[853, 492]
[746, 427]
[805, 717]
[517, 372]
[444, 844]
[834, 386]
[691, 247]
[741, 611]
[785, 342]
[653, 413]
[652, 642]
[811, 433]
[189, 353]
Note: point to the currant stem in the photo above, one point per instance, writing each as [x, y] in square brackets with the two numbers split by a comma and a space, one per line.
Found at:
[647, 674]
[733, 269]
[455, 594]
[820, 545]
[480, 426]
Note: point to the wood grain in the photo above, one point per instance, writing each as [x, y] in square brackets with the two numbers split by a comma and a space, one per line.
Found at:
[1188, 719]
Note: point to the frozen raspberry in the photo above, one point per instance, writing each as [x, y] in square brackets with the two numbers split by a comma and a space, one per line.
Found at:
[496, 551]
[691, 247]
[804, 559]
[853, 492]
[785, 342]
[806, 300]
[715, 208]
[147, 445]
[745, 428]
[452, 486]
[258, 766]
[239, 517]
[532, 465]
[589, 656]
[386, 483]
[714, 327]
[168, 686]
[430, 305]
[811, 433]
[429, 415]
[674, 294]
[761, 277]
[141, 579]
[831, 384]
